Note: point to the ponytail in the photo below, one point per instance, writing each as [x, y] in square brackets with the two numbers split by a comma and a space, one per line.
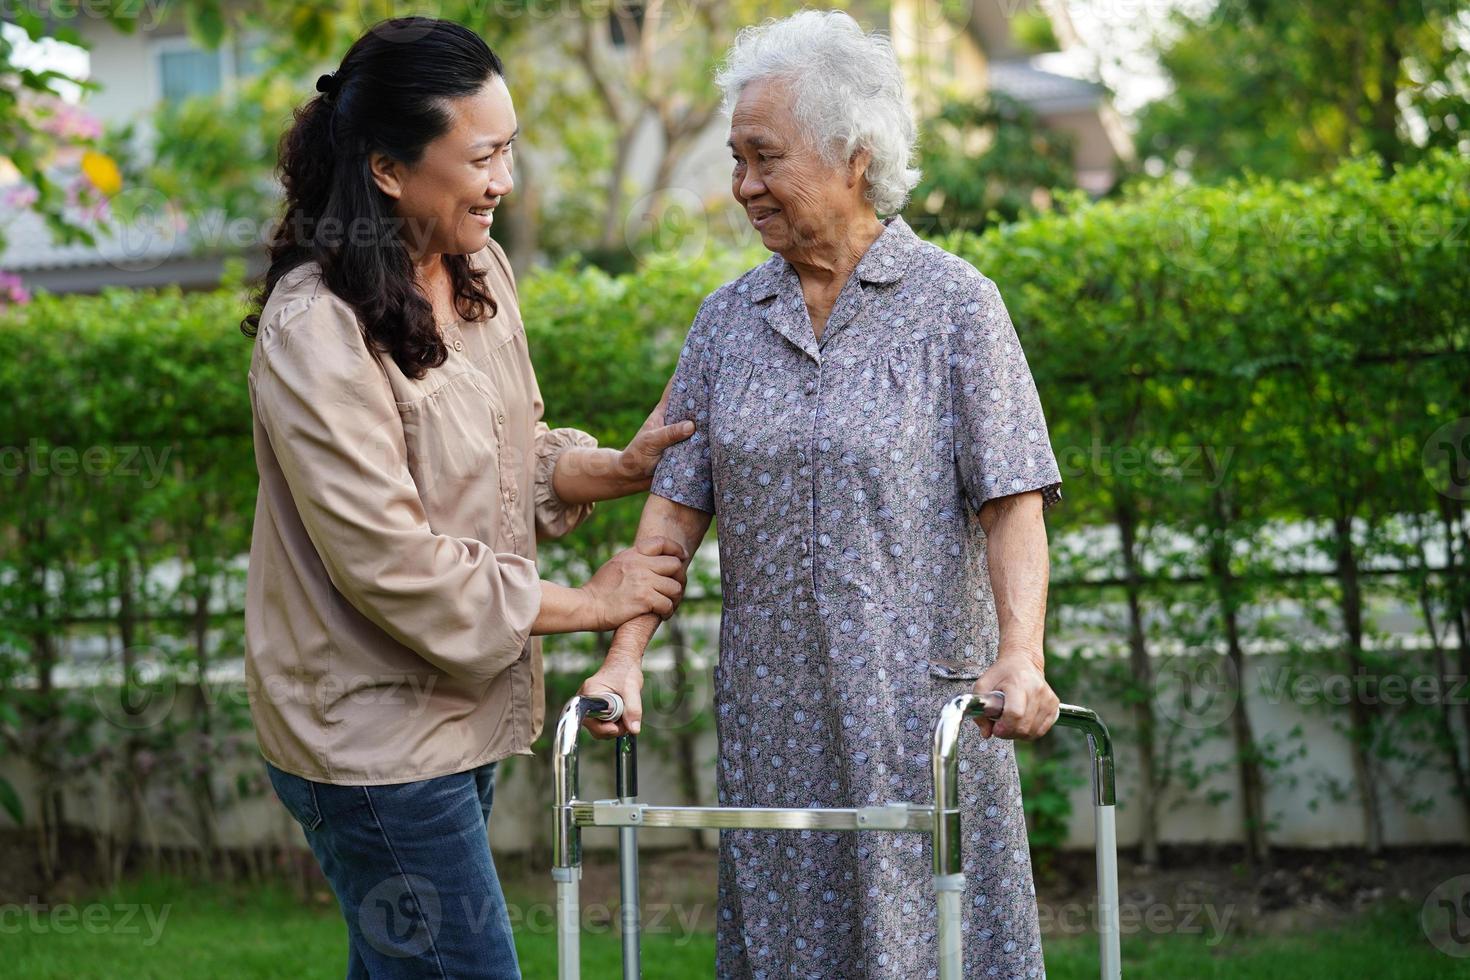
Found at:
[389, 96]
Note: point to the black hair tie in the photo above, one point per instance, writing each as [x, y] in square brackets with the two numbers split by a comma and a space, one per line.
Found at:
[328, 84]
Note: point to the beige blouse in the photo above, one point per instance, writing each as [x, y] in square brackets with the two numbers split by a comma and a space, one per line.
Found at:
[392, 582]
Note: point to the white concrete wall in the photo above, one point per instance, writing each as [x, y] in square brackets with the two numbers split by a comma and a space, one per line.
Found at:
[1186, 817]
[125, 67]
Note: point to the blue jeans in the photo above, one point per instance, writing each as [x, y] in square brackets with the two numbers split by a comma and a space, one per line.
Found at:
[410, 865]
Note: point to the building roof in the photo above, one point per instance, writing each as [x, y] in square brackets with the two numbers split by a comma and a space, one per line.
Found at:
[1044, 91]
[145, 253]
[29, 246]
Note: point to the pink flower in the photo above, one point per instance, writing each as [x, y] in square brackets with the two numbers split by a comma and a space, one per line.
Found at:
[84, 202]
[18, 196]
[72, 122]
[12, 290]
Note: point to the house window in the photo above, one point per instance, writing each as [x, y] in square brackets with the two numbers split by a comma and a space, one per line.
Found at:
[185, 73]
[186, 69]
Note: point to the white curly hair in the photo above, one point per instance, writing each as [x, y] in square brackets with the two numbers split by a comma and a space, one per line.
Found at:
[846, 89]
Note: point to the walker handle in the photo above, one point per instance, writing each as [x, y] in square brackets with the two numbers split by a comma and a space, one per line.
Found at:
[991, 705]
[605, 706]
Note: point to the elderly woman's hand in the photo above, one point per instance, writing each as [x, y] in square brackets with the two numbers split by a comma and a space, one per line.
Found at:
[622, 674]
[641, 457]
[1031, 706]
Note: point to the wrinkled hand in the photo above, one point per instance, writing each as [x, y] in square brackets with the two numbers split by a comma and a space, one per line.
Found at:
[641, 457]
[646, 578]
[622, 674]
[1031, 706]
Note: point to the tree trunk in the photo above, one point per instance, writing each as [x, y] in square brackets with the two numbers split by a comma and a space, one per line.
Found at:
[205, 804]
[1458, 574]
[684, 746]
[1143, 711]
[127, 635]
[1359, 717]
[517, 223]
[46, 718]
[1252, 784]
[1385, 135]
[612, 216]
[1446, 725]
[50, 796]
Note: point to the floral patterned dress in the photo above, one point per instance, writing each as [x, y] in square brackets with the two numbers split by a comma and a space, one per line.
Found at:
[846, 475]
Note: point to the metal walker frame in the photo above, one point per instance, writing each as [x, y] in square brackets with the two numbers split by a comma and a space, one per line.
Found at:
[941, 821]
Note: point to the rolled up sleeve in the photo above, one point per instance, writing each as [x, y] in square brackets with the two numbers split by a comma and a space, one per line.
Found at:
[328, 410]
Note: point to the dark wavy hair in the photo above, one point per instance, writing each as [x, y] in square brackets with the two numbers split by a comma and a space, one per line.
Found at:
[389, 95]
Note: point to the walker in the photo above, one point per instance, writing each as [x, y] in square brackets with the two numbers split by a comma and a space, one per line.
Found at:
[941, 820]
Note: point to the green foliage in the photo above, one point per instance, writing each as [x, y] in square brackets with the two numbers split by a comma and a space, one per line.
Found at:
[1033, 32]
[1214, 361]
[604, 348]
[987, 162]
[209, 159]
[1172, 322]
[1220, 361]
[1310, 84]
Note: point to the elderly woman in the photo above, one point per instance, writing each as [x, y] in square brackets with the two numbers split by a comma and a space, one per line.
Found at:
[869, 435]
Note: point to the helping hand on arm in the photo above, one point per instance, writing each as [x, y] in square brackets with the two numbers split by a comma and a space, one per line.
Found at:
[645, 579]
[590, 475]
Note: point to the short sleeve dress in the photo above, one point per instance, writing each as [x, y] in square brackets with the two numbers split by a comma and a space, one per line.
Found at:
[846, 476]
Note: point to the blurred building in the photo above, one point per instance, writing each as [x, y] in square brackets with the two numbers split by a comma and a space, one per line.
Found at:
[949, 50]
[137, 72]
[968, 50]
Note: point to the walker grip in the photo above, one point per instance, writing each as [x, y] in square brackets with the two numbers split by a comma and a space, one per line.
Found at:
[605, 706]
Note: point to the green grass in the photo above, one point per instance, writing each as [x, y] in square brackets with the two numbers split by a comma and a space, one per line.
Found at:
[1384, 944]
[267, 933]
[223, 933]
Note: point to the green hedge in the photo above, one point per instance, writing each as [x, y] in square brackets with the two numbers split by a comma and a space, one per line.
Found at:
[1242, 317]
[1140, 318]
[1210, 359]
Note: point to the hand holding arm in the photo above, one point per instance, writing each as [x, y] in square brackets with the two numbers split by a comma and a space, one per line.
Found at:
[589, 475]
[647, 578]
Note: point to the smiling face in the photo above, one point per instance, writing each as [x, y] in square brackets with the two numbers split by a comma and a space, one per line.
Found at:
[448, 197]
[792, 196]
